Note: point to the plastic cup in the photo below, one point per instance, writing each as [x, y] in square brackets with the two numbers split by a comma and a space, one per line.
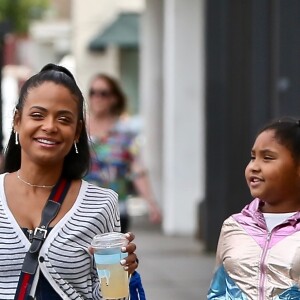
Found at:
[107, 253]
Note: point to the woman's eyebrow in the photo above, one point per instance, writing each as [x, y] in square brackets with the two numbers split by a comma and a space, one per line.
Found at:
[38, 107]
[44, 109]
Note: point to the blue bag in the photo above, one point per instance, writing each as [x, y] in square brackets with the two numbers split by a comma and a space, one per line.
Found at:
[136, 289]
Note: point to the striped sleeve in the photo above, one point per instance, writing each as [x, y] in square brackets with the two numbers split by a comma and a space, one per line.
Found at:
[12, 253]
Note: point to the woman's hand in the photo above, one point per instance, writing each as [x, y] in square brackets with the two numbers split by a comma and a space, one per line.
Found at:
[154, 214]
[130, 262]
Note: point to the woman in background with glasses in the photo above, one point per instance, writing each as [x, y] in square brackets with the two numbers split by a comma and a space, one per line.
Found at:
[115, 152]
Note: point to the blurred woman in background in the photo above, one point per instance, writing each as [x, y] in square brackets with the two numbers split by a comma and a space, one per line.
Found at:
[115, 151]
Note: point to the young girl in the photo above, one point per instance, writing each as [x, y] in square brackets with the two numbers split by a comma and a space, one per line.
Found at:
[258, 255]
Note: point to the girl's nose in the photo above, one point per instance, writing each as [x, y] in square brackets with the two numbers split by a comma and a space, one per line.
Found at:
[254, 165]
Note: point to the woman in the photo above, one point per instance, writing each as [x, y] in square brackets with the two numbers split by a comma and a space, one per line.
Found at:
[49, 141]
[114, 146]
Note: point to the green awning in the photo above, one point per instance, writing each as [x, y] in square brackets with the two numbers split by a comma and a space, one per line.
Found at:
[123, 32]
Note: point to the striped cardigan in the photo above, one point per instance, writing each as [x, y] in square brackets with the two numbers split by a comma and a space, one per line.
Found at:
[64, 258]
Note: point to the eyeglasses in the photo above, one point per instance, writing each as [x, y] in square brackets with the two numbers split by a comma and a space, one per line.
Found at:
[100, 93]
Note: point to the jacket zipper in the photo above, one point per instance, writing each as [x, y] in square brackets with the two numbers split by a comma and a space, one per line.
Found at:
[262, 268]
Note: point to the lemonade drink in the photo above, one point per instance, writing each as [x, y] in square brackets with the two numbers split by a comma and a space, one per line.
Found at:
[107, 253]
[113, 278]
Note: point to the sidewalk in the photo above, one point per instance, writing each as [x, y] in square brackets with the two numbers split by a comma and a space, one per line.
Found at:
[171, 267]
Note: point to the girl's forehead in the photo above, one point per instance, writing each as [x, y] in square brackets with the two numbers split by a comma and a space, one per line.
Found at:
[266, 139]
[267, 136]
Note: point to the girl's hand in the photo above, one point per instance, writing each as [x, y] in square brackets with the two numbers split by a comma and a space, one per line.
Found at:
[130, 262]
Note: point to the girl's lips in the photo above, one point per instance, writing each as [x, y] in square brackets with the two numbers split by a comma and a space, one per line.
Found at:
[255, 181]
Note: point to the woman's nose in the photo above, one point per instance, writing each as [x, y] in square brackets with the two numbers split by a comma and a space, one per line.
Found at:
[49, 125]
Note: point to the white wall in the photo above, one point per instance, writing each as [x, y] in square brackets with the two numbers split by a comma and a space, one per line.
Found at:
[183, 145]
[151, 91]
[11, 76]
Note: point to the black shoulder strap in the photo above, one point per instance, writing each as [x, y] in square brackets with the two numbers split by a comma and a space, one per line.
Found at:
[30, 263]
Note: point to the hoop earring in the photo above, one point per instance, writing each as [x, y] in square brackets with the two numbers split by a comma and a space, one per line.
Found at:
[16, 138]
[76, 149]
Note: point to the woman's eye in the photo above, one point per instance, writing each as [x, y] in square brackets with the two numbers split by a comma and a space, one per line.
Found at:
[65, 119]
[36, 115]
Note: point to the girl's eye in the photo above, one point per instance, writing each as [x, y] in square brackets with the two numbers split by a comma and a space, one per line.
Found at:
[268, 158]
[252, 157]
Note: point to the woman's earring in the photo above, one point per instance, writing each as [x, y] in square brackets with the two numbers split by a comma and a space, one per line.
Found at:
[16, 138]
[76, 149]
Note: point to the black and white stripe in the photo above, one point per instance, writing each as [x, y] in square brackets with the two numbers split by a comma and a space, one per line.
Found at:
[64, 257]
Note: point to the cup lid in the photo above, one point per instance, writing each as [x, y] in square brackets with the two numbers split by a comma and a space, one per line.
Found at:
[109, 240]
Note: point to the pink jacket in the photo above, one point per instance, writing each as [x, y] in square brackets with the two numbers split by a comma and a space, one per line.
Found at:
[253, 263]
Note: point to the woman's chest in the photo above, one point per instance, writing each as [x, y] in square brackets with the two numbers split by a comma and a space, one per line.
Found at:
[115, 148]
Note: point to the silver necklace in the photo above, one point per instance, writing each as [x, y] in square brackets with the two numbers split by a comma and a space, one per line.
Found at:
[34, 185]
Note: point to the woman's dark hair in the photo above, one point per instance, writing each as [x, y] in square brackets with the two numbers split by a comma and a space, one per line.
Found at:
[75, 165]
[287, 133]
[119, 107]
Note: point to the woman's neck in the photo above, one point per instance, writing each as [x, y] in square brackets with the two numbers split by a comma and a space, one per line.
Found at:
[39, 175]
[101, 126]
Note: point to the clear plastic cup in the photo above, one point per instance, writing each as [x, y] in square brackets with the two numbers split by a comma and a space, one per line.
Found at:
[107, 253]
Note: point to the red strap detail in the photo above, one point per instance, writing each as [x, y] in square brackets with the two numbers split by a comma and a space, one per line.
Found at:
[60, 190]
[24, 285]
[58, 194]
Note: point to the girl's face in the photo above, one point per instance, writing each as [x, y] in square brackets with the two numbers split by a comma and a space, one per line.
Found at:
[101, 97]
[48, 124]
[273, 174]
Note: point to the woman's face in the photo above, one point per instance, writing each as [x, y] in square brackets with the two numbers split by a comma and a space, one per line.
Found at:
[48, 124]
[273, 175]
[101, 97]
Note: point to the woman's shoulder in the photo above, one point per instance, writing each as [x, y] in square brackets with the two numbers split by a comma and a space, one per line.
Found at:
[2, 175]
[96, 192]
[130, 125]
[2, 194]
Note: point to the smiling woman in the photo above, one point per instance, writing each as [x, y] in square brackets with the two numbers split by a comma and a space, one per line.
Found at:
[49, 125]
[45, 160]
[53, 81]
